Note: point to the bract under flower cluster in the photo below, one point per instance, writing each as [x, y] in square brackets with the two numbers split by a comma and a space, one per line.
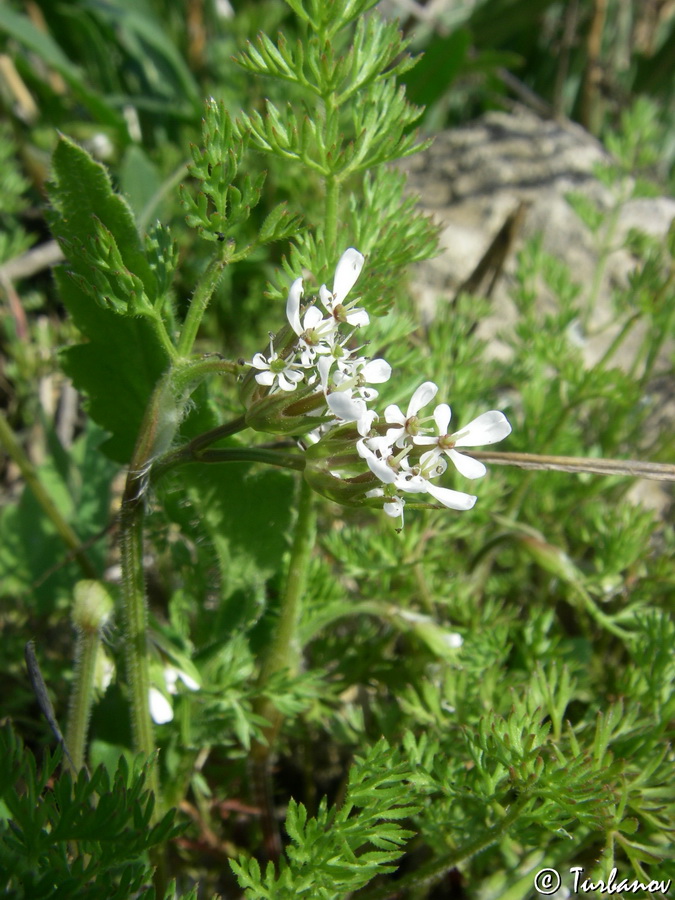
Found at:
[405, 452]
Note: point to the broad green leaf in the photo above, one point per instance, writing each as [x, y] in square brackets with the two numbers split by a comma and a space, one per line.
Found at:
[81, 193]
[247, 515]
[117, 368]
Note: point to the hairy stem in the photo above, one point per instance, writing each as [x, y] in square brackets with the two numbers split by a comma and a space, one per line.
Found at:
[135, 626]
[86, 654]
[200, 300]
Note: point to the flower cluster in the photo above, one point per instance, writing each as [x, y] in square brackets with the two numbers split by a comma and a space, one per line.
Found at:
[405, 452]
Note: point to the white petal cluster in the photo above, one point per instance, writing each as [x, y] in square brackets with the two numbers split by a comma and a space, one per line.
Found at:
[413, 451]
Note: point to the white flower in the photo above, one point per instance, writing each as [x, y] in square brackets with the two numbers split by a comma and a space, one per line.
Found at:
[393, 505]
[316, 334]
[415, 479]
[348, 270]
[488, 428]
[408, 425]
[285, 372]
[160, 708]
[172, 676]
[348, 409]
[357, 373]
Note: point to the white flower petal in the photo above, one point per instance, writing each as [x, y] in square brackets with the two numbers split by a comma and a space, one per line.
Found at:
[160, 708]
[259, 362]
[189, 683]
[394, 507]
[377, 466]
[377, 371]
[265, 378]
[412, 484]
[357, 317]
[313, 318]
[424, 394]
[365, 421]
[452, 639]
[393, 415]
[442, 416]
[433, 462]
[451, 499]
[466, 465]
[347, 271]
[287, 381]
[342, 406]
[381, 444]
[293, 306]
[488, 428]
[326, 298]
[324, 364]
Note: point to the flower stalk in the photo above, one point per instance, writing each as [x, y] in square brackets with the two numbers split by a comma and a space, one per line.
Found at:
[91, 610]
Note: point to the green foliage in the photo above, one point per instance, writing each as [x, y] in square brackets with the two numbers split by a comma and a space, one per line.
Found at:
[215, 167]
[330, 854]
[502, 678]
[98, 233]
[109, 820]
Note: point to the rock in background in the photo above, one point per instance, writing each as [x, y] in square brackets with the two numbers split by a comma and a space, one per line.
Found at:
[510, 173]
[472, 179]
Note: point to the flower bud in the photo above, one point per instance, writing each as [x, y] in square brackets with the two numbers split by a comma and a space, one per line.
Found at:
[93, 606]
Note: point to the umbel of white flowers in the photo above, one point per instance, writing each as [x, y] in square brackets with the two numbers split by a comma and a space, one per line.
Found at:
[404, 452]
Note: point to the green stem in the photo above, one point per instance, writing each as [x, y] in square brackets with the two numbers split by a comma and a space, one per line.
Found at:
[86, 653]
[163, 335]
[284, 651]
[200, 300]
[33, 483]
[263, 455]
[434, 870]
[218, 434]
[135, 627]
[332, 209]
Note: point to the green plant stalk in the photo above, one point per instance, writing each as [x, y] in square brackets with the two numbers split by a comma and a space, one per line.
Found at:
[135, 630]
[158, 326]
[284, 651]
[200, 300]
[33, 483]
[332, 207]
[161, 419]
[86, 655]
[432, 871]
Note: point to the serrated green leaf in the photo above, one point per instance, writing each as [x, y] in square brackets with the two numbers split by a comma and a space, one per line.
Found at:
[116, 369]
[81, 190]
